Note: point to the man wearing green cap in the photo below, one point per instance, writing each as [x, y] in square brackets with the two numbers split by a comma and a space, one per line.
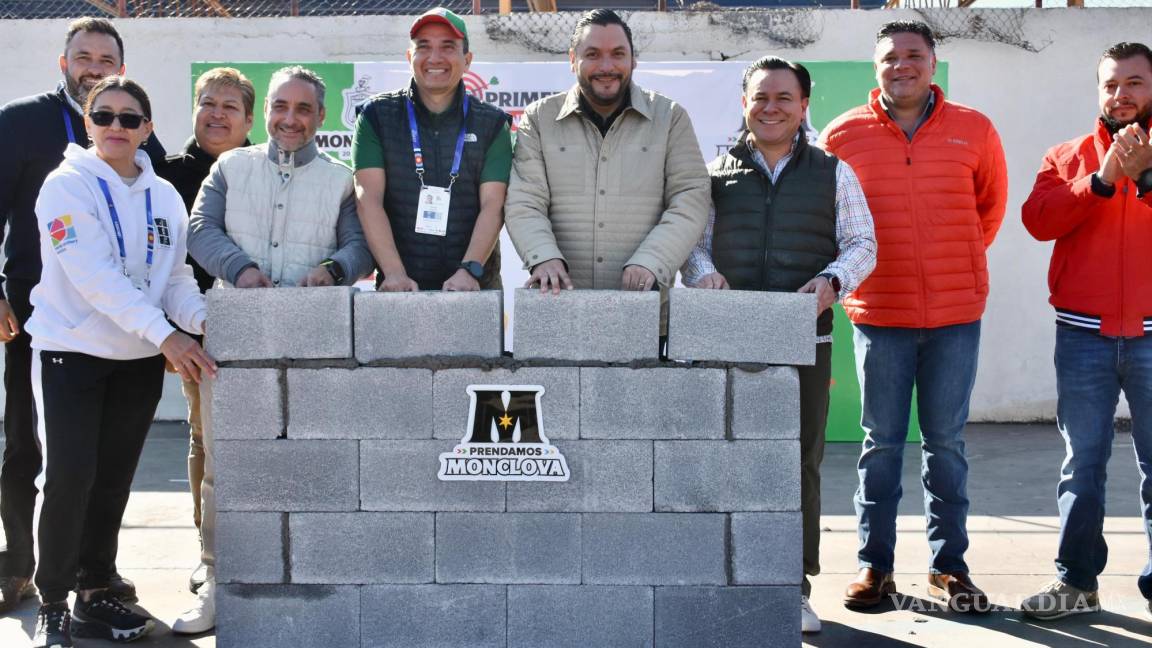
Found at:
[431, 169]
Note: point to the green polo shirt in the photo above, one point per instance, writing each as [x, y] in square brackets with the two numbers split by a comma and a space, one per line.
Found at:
[368, 153]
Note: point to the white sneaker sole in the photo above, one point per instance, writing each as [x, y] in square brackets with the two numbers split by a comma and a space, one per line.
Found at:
[1060, 614]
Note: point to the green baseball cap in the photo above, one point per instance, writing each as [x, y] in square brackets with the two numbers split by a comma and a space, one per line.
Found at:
[442, 16]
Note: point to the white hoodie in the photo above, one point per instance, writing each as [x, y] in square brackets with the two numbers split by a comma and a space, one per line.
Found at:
[84, 302]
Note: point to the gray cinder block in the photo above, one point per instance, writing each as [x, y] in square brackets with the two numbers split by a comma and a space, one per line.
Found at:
[742, 326]
[246, 404]
[528, 548]
[728, 617]
[559, 616]
[606, 325]
[607, 476]
[272, 323]
[364, 403]
[727, 476]
[431, 323]
[249, 548]
[766, 404]
[661, 403]
[560, 404]
[359, 548]
[434, 616]
[653, 549]
[767, 548]
[301, 616]
[287, 475]
[401, 476]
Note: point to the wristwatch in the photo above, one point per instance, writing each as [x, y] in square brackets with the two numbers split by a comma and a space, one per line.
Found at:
[833, 280]
[334, 270]
[473, 268]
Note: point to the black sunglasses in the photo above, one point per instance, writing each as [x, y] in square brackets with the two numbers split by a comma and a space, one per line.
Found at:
[127, 120]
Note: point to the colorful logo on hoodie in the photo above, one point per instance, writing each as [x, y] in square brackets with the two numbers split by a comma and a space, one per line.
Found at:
[62, 233]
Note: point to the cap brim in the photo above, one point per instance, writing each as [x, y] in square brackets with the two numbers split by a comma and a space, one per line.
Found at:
[433, 19]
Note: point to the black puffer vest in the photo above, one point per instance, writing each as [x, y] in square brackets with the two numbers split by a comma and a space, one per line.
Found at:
[429, 259]
[774, 237]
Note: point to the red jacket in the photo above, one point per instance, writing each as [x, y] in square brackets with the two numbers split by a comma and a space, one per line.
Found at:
[937, 202]
[1100, 263]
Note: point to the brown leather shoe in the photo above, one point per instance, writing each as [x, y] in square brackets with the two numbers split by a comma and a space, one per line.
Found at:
[14, 589]
[869, 589]
[958, 591]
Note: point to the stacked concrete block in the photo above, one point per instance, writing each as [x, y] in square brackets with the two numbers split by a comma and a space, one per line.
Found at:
[742, 326]
[679, 524]
[429, 324]
[593, 325]
[295, 323]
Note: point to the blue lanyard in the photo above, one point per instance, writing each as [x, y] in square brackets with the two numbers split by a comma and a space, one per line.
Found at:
[418, 154]
[120, 232]
[68, 125]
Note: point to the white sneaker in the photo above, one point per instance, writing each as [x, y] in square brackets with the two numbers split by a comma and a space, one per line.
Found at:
[200, 617]
[809, 622]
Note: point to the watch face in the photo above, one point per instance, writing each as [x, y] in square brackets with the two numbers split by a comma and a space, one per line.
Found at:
[473, 268]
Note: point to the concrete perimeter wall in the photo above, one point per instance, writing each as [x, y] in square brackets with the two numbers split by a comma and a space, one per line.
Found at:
[1036, 99]
[683, 502]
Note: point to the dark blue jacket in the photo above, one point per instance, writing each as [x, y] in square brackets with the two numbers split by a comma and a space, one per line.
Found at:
[34, 138]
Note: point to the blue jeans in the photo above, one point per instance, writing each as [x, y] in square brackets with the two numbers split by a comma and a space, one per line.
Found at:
[1091, 369]
[941, 364]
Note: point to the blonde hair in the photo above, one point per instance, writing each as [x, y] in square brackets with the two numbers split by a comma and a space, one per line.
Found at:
[226, 77]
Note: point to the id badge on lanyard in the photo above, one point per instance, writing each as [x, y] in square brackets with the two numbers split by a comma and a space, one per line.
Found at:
[432, 208]
[140, 283]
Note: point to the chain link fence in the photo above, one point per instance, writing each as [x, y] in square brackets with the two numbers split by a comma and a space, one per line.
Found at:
[28, 9]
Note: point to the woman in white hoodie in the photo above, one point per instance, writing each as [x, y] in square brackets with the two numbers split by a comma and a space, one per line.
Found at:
[113, 244]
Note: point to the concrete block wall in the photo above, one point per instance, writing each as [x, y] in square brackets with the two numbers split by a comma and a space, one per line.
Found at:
[681, 508]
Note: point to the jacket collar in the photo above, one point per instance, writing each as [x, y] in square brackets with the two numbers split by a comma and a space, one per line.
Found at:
[62, 94]
[423, 112]
[1102, 138]
[297, 158]
[636, 95]
[200, 156]
[87, 160]
[877, 108]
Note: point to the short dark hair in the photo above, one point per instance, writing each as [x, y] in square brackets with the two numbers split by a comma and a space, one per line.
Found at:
[602, 17]
[777, 63]
[124, 84]
[907, 27]
[1126, 50]
[299, 73]
[96, 26]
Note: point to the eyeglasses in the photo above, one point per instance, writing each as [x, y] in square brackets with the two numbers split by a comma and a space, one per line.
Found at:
[127, 120]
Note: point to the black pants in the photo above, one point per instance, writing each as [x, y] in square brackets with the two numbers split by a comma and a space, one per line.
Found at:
[814, 384]
[21, 448]
[96, 415]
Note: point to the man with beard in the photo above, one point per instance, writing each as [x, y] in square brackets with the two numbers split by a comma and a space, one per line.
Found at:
[432, 140]
[224, 102]
[937, 184]
[1093, 196]
[609, 189]
[275, 214]
[37, 130]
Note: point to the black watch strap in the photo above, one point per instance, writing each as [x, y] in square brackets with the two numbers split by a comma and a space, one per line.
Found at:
[474, 268]
[334, 269]
[833, 280]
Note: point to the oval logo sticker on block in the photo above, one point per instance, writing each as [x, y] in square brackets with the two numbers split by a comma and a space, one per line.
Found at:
[505, 439]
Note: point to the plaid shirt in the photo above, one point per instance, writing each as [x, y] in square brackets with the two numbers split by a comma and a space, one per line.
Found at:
[855, 235]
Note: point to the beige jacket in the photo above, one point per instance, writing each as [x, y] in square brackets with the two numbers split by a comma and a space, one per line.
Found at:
[639, 196]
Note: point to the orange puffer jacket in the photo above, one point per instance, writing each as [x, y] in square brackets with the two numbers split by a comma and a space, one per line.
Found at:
[937, 202]
[1099, 265]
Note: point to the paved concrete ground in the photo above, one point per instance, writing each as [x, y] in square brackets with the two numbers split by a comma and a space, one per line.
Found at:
[1013, 532]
